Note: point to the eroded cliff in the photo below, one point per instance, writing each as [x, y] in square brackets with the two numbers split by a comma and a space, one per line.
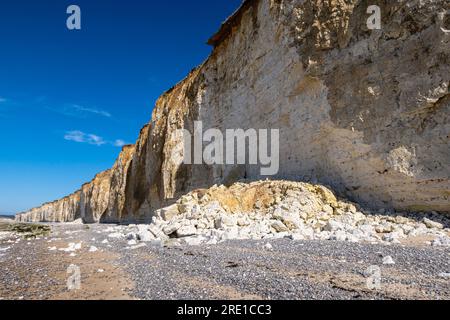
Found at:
[363, 111]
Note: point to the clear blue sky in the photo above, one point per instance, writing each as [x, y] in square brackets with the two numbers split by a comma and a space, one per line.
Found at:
[69, 99]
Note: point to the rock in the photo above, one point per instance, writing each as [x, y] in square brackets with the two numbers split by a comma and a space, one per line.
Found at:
[171, 228]
[158, 233]
[268, 247]
[444, 275]
[401, 220]
[100, 270]
[195, 240]
[338, 236]
[144, 234]
[225, 221]
[186, 231]
[203, 224]
[192, 213]
[72, 247]
[432, 224]
[169, 213]
[407, 229]
[171, 243]
[358, 216]
[243, 222]
[394, 237]
[279, 226]
[367, 229]
[384, 228]
[297, 237]
[307, 232]
[212, 241]
[137, 246]
[418, 231]
[333, 226]
[286, 217]
[131, 236]
[132, 242]
[116, 235]
[388, 260]
[230, 234]
[93, 249]
[328, 210]
[325, 235]
[278, 213]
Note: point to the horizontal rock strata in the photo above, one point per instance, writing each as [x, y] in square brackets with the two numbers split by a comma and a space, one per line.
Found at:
[363, 111]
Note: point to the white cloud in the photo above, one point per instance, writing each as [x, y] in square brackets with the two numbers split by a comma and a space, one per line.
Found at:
[76, 136]
[119, 143]
[75, 110]
[91, 110]
[93, 139]
[81, 137]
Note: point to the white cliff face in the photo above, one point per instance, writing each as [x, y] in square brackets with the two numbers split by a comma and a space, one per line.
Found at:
[365, 112]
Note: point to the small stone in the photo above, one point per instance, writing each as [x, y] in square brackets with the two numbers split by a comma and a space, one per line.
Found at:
[297, 237]
[171, 228]
[157, 232]
[171, 243]
[186, 231]
[444, 275]
[279, 226]
[388, 260]
[144, 234]
[225, 221]
[394, 237]
[116, 235]
[135, 247]
[131, 236]
[169, 213]
[195, 241]
[268, 247]
[432, 224]
[243, 222]
[328, 210]
[192, 213]
[339, 236]
[333, 225]
[230, 234]
[93, 249]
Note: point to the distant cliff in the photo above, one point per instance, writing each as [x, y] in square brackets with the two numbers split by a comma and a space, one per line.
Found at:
[363, 111]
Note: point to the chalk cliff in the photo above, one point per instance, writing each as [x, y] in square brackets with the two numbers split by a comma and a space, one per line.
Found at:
[364, 111]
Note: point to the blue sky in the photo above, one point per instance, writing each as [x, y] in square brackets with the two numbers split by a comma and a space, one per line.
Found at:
[70, 99]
